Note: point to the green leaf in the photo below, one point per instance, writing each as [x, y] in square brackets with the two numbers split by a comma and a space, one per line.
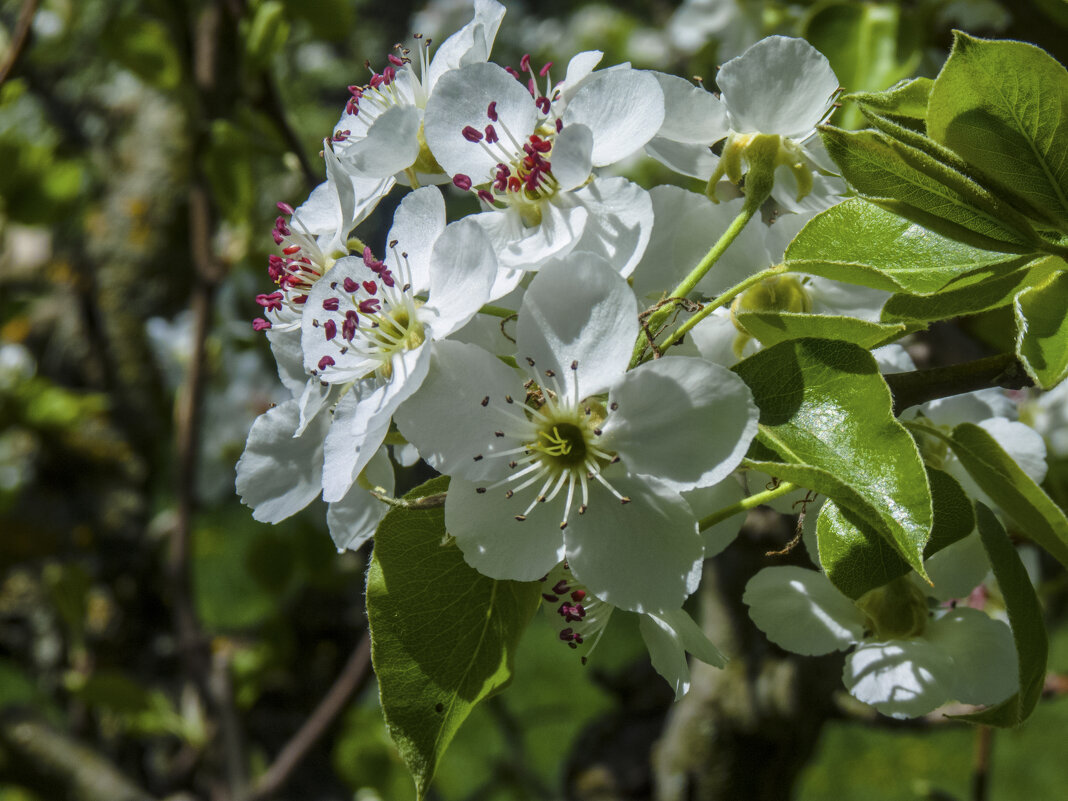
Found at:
[146, 48]
[773, 327]
[1011, 488]
[1042, 330]
[1025, 617]
[1003, 106]
[867, 44]
[914, 184]
[826, 424]
[861, 243]
[443, 636]
[904, 104]
[968, 296]
[856, 559]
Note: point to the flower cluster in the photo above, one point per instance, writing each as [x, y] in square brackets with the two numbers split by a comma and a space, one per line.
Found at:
[578, 455]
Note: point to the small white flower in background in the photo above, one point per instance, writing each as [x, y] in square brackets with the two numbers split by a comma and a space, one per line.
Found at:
[366, 327]
[581, 619]
[528, 151]
[907, 659]
[1048, 415]
[780, 87]
[380, 135]
[582, 460]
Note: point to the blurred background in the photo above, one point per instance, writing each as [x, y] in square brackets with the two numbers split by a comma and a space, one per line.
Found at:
[155, 641]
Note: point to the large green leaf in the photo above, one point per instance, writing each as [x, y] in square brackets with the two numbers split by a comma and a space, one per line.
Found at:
[443, 636]
[905, 104]
[1025, 617]
[856, 559]
[868, 44]
[861, 243]
[1012, 489]
[915, 184]
[826, 423]
[1042, 330]
[1003, 106]
[968, 296]
[773, 327]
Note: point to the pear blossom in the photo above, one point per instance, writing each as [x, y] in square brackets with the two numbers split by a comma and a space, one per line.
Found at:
[528, 149]
[907, 658]
[380, 134]
[366, 326]
[581, 619]
[572, 456]
[780, 86]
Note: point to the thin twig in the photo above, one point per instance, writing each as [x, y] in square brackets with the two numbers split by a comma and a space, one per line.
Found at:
[19, 39]
[984, 746]
[352, 678]
[920, 386]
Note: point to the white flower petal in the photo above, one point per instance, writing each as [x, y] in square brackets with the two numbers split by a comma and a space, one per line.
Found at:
[800, 610]
[279, 474]
[668, 636]
[620, 221]
[521, 248]
[493, 541]
[715, 337]
[642, 556]
[675, 245]
[577, 310]
[684, 420]
[572, 157]
[624, 109]
[706, 500]
[696, 161]
[779, 85]
[463, 269]
[469, 45]
[353, 520]
[446, 420]
[900, 678]
[957, 569]
[285, 345]
[390, 145]
[692, 114]
[983, 653]
[417, 223]
[578, 70]
[461, 98]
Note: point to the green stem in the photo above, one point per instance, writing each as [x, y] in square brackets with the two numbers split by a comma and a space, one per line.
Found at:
[752, 206]
[496, 311]
[744, 505]
[924, 428]
[720, 301]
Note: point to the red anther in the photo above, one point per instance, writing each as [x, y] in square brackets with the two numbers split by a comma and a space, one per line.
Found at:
[387, 277]
[578, 595]
[532, 87]
[559, 125]
[472, 134]
[275, 267]
[543, 104]
[300, 299]
[272, 302]
[325, 362]
[561, 587]
[376, 81]
[331, 304]
[389, 75]
[356, 91]
[514, 73]
[341, 136]
[491, 135]
[348, 328]
[545, 70]
[330, 329]
[461, 181]
[350, 285]
[259, 324]
[278, 238]
[485, 196]
[540, 144]
[289, 251]
[550, 598]
[369, 257]
[371, 287]
[370, 306]
[352, 107]
[514, 184]
[524, 62]
[395, 60]
[491, 112]
[285, 208]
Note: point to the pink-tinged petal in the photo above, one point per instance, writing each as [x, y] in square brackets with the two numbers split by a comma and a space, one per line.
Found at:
[623, 108]
[460, 100]
[579, 321]
[643, 556]
[684, 420]
[801, 611]
[279, 474]
[493, 541]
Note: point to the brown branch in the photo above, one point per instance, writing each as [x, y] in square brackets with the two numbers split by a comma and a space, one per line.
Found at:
[55, 766]
[352, 678]
[19, 39]
[984, 746]
[919, 386]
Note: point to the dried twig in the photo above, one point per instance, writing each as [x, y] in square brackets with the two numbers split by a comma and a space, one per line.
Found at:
[19, 39]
